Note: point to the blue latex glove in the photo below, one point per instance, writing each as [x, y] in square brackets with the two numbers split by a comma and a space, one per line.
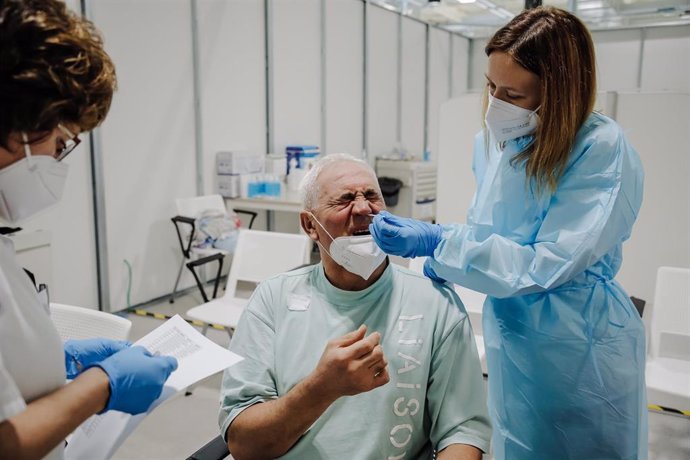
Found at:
[405, 237]
[430, 273]
[136, 378]
[80, 354]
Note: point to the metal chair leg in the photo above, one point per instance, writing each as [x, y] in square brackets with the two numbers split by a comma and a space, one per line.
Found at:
[177, 282]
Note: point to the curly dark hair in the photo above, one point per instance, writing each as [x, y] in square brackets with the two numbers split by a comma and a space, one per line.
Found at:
[53, 69]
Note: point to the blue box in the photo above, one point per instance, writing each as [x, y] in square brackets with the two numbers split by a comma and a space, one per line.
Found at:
[298, 155]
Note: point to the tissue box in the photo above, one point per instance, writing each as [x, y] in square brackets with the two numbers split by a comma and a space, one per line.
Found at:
[238, 162]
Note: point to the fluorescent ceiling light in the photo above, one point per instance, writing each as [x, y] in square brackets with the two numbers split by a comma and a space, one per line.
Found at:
[496, 10]
[584, 6]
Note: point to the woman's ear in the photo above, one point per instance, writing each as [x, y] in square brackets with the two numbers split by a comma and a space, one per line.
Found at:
[308, 225]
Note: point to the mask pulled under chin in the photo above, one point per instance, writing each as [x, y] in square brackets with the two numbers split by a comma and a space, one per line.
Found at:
[30, 186]
[507, 121]
[357, 254]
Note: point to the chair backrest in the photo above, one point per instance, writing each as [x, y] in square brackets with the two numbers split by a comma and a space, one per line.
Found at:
[670, 326]
[260, 255]
[192, 207]
[84, 323]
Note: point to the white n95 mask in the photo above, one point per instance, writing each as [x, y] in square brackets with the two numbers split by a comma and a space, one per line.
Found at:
[30, 185]
[357, 254]
[507, 121]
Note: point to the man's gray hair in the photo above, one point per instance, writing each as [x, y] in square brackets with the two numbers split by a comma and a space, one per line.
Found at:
[309, 187]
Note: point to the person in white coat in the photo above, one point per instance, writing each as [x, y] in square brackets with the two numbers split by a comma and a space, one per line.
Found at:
[56, 82]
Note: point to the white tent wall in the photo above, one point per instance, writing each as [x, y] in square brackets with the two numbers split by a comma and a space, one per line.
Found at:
[296, 84]
[618, 59]
[657, 124]
[148, 143]
[319, 81]
[382, 81]
[412, 83]
[441, 64]
[232, 80]
[666, 60]
[343, 79]
[460, 48]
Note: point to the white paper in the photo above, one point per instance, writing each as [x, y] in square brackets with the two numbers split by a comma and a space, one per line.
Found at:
[198, 357]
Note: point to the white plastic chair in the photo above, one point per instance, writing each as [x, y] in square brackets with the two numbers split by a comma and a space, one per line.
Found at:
[474, 303]
[668, 360]
[258, 255]
[84, 323]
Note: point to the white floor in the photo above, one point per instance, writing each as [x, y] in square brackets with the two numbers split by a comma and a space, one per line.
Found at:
[183, 424]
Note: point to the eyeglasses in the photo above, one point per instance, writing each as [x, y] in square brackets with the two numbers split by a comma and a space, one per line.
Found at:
[68, 145]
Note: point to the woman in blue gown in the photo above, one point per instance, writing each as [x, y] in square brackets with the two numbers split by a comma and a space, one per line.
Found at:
[558, 190]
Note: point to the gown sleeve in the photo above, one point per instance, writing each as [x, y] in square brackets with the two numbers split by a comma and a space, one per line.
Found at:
[590, 213]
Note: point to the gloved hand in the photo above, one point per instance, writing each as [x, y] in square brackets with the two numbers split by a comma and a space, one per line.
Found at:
[430, 273]
[405, 237]
[80, 354]
[136, 378]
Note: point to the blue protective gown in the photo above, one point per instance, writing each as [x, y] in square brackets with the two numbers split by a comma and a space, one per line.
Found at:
[565, 345]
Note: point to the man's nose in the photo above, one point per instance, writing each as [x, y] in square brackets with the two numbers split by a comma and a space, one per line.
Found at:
[361, 206]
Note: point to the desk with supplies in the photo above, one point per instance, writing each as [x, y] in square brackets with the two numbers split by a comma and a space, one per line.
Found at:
[288, 201]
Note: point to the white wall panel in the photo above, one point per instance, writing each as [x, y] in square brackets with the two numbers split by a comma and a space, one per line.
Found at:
[666, 59]
[233, 79]
[148, 141]
[661, 234]
[460, 63]
[296, 66]
[460, 120]
[439, 83]
[412, 82]
[382, 75]
[478, 62]
[344, 77]
[617, 55]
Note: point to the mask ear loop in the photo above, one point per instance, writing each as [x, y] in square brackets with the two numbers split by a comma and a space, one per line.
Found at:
[27, 151]
[324, 229]
[320, 225]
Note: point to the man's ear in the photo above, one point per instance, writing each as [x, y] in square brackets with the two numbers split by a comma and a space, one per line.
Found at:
[308, 225]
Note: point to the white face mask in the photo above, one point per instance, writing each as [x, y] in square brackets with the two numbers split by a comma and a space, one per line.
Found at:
[357, 254]
[30, 185]
[507, 121]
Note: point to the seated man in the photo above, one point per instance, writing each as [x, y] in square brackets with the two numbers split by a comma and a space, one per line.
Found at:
[354, 357]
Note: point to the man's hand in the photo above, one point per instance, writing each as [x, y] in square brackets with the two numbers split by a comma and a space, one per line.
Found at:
[352, 364]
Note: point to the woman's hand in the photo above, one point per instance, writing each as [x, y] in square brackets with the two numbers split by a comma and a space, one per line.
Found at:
[401, 236]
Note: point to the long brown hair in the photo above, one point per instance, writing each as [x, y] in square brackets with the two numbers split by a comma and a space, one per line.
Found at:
[53, 69]
[557, 47]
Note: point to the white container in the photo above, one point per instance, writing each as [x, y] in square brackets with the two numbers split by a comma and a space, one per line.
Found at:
[229, 185]
[295, 178]
[276, 164]
[239, 162]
